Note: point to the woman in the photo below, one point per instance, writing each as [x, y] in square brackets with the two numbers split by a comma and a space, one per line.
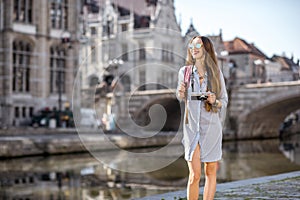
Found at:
[201, 85]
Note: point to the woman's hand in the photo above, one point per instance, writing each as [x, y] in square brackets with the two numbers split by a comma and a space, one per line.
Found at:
[181, 90]
[211, 97]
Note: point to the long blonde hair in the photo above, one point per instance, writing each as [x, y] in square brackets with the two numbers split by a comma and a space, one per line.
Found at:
[212, 68]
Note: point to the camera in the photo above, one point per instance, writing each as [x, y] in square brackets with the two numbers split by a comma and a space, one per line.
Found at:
[199, 96]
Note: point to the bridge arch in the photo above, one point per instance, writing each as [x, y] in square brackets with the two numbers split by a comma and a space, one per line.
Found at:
[263, 116]
[173, 108]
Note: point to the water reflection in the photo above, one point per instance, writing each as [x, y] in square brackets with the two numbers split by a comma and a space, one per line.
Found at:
[290, 147]
[249, 159]
[80, 176]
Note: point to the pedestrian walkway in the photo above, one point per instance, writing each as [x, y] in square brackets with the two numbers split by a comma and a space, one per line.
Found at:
[282, 186]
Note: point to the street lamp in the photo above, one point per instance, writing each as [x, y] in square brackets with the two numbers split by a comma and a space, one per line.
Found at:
[115, 65]
[65, 39]
[117, 99]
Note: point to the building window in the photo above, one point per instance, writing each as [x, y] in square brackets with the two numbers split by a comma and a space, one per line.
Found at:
[1, 15]
[142, 52]
[59, 14]
[124, 27]
[17, 114]
[171, 55]
[253, 70]
[23, 11]
[21, 66]
[141, 22]
[124, 52]
[23, 112]
[93, 54]
[57, 70]
[31, 111]
[112, 50]
[142, 81]
[93, 31]
[167, 53]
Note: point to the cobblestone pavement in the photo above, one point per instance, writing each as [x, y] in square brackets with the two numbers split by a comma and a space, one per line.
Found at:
[277, 187]
[288, 188]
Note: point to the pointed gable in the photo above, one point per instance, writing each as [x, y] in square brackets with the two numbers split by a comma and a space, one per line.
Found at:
[191, 32]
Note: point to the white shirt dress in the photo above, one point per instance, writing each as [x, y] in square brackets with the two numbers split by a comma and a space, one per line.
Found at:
[203, 128]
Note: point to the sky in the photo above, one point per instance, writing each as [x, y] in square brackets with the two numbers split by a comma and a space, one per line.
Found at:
[272, 25]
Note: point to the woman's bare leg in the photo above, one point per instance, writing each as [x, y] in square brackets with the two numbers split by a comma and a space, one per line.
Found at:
[194, 176]
[210, 170]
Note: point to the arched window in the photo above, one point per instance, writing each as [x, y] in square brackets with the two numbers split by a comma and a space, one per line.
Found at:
[57, 70]
[21, 66]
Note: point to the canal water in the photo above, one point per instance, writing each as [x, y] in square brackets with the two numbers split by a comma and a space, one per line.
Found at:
[81, 176]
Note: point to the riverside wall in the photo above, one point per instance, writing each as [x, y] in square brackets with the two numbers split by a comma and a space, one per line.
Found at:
[28, 142]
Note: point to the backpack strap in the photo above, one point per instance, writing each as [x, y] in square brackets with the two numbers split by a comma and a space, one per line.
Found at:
[187, 78]
[187, 74]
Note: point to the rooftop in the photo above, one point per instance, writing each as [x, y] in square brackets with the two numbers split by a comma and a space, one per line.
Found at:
[240, 46]
[286, 63]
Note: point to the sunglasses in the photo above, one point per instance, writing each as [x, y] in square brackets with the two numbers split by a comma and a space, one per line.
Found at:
[197, 46]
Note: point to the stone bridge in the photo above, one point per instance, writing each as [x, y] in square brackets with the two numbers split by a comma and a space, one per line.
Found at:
[254, 110]
[257, 110]
[138, 104]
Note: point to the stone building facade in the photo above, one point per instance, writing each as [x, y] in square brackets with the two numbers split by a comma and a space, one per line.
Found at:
[289, 70]
[245, 61]
[129, 39]
[137, 44]
[38, 51]
[248, 64]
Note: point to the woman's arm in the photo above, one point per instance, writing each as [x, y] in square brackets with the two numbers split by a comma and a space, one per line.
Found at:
[223, 99]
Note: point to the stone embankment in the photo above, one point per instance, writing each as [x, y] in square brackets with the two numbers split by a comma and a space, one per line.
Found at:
[27, 142]
[15, 142]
